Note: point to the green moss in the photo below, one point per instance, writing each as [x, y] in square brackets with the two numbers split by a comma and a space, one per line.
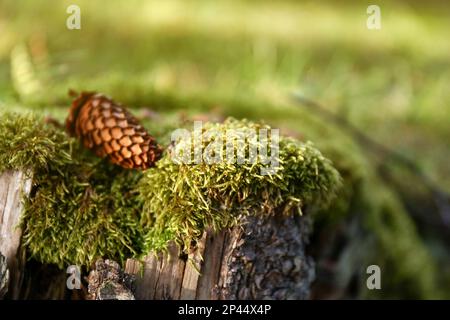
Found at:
[27, 143]
[82, 207]
[181, 200]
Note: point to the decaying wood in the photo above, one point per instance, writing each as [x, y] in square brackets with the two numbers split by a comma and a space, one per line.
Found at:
[13, 184]
[4, 276]
[263, 258]
[108, 282]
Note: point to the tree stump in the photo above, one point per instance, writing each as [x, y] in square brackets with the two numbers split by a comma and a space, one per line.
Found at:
[263, 258]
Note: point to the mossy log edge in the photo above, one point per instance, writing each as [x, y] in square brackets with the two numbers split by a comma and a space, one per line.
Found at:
[261, 258]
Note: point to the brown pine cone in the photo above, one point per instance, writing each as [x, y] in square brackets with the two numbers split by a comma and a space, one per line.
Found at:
[108, 129]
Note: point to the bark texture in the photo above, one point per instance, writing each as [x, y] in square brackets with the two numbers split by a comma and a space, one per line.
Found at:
[260, 259]
[109, 282]
[266, 259]
[4, 276]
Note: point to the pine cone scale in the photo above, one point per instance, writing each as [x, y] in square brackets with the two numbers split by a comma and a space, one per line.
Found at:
[108, 129]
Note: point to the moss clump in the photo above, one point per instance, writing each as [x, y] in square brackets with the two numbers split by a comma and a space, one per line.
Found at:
[80, 207]
[181, 200]
[27, 143]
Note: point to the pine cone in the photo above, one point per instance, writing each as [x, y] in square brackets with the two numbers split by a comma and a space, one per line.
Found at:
[108, 129]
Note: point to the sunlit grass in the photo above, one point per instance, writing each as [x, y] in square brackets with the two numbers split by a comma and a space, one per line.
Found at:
[262, 51]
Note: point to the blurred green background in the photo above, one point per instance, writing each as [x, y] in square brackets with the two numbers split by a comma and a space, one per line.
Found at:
[212, 59]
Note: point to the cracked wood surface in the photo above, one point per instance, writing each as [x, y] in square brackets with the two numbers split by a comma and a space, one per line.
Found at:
[264, 258]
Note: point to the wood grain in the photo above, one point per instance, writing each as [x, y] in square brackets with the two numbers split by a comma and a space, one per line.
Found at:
[13, 185]
[264, 258]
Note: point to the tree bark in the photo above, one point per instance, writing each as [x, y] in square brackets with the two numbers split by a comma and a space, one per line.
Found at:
[4, 276]
[263, 258]
[108, 282]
